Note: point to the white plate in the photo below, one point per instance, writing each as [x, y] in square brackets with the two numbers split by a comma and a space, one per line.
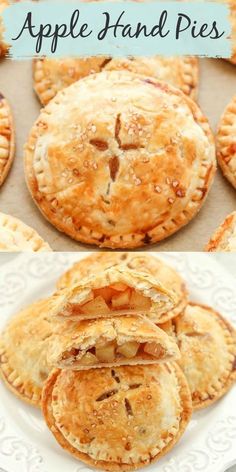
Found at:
[25, 443]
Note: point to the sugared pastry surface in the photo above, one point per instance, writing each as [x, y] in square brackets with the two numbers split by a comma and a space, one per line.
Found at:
[118, 419]
[226, 142]
[119, 160]
[16, 236]
[7, 138]
[160, 270]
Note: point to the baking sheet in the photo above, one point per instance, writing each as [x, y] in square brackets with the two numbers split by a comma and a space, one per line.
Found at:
[217, 86]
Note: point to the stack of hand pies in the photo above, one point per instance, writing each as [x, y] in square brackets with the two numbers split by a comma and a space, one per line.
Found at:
[118, 359]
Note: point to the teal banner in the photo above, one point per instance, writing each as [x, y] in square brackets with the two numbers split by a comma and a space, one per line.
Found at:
[114, 29]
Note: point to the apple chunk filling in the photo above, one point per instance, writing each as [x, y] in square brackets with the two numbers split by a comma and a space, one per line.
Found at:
[111, 352]
[115, 297]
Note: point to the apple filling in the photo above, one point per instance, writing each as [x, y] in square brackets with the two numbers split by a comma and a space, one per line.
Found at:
[117, 297]
[111, 352]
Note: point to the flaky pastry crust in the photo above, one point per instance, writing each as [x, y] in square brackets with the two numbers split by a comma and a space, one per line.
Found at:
[53, 75]
[7, 138]
[226, 142]
[224, 238]
[165, 274]
[113, 138]
[207, 345]
[114, 291]
[118, 419]
[16, 236]
[122, 340]
[23, 351]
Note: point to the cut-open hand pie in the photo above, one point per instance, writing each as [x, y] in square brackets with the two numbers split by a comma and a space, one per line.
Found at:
[23, 351]
[164, 274]
[7, 138]
[226, 142]
[16, 236]
[207, 345]
[3, 45]
[53, 75]
[122, 340]
[117, 137]
[114, 291]
[118, 419]
[224, 239]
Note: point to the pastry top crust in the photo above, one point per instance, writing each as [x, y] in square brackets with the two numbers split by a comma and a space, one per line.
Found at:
[3, 46]
[224, 238]
[17, 236]
[53, 75]
[23, 351]
[118, 419]
[68, 300]
[181, 72]
[226, 142]
[7, 138]
[98, 144]
[73, 340]
[165, 274]
[207, 345]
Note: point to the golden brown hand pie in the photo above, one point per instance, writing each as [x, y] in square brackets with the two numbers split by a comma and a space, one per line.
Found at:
[226, 142]
[123, 340]
[23, 351]
[224, 239]
[114, 291]
[16, 236]
[119, 160]
[7, 138]
[53, 75]
[118, 419]
[207, 345]
[3, 45]
[163, 273]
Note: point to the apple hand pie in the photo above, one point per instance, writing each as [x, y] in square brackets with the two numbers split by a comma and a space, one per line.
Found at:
[224, 238]
[16, 236]
[23, 351]
[52, 75]
[114, 291]
[207, 345]
[7, 138]
[125, 340]
[117, 137]
[3, 45]
[226, 141]
[161, 271]
[118, 419]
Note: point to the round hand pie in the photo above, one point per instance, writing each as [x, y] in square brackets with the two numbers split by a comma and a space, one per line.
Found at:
[3, 46]
[53, 75]
[7, 138]
[118, 419]
[226, 142]
[16, 236]
[120, 160]
[207, 345]
[224, 239]
[164, 274]
[23, 351]
[123, 340]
